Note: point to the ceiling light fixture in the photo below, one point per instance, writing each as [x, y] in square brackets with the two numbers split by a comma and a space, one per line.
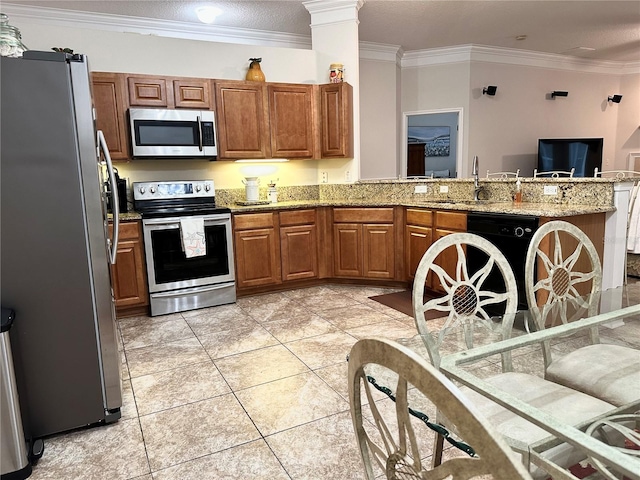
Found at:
[490, 90]
[615, 98]
[208, 13]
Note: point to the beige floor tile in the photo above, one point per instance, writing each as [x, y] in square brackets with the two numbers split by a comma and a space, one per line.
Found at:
[241, 338]
[353, 316]
[283, 307]
[194, 430]
[110, 452]
[392, 329]
[252, 460]
[156, 358]
[221, 311]
[299, 324]
[129, 408]
[172, 388]
[129, 322]
[325, 449]
[143, 334]
[324, 301]
[336, 377]
[323, 350]
[214, 323]
[259, 366]
[290, 402]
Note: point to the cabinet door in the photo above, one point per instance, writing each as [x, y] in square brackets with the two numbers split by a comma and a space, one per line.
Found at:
[336, 120]
[257, 258]
[417, 242]
[242, 120]
[148, 92]
[448, 260]
[291, 120]
[109, 98]
[129, 275]
[192, 93]
[378, 251]
[347, 241]
[299, 251]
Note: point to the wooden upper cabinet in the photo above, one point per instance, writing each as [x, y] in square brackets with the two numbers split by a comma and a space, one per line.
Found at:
[109, 99]
[336, 120]
[145, 91]
[291, 125]
[243, 130]
[192, 93]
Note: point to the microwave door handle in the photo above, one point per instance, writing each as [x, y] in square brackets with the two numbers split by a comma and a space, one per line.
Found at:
[200, 146]
[115, 201]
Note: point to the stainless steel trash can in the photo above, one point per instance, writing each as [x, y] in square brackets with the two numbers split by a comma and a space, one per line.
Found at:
[14, 453]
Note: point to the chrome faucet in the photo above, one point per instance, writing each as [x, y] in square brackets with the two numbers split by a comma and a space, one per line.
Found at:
[476, 182]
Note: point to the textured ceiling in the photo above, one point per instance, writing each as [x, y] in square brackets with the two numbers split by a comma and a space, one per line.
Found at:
[612, 28]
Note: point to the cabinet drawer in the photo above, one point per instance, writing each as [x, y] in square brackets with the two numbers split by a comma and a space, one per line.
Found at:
[363, 215]
[127, 230]
[253, 220]
[297, 217]
[452, 220]
[422, 218]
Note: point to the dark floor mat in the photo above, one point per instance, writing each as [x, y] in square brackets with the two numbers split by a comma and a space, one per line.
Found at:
[402, 302]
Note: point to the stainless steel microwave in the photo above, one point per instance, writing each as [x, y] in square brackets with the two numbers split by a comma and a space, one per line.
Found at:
[157, 133]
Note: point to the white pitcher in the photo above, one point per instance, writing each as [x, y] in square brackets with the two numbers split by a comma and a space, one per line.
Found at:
[251, 188]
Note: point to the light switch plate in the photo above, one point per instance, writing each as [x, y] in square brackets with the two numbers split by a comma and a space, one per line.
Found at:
[444, 188]
[550, 189]
[420, 189]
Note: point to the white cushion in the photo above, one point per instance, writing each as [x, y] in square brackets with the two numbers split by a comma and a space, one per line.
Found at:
[608, 372]
[566, 405]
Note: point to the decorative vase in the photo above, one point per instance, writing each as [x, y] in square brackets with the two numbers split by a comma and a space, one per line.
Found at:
[255, 72]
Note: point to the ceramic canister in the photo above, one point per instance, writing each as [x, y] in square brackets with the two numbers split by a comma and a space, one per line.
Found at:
[251, 188]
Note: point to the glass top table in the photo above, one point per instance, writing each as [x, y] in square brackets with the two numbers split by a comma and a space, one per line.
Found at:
[612, 315]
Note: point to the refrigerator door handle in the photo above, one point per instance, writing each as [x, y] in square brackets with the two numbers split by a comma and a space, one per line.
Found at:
[115, 201]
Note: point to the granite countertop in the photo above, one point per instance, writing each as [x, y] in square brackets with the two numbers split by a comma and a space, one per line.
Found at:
[525, 208]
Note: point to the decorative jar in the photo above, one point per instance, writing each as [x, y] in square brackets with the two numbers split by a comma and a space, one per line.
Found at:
[10, 39]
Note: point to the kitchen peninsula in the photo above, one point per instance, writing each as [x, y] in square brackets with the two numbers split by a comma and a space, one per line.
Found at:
[374, 232]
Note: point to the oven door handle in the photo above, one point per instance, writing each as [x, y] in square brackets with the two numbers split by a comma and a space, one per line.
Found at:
[182, 292]
[112, 243]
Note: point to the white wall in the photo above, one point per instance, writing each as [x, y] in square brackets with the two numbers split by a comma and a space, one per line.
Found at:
[504, 129]
[628, 134]
[378, 119]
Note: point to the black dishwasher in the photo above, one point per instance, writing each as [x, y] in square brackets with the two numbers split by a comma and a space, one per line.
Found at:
[512, 235]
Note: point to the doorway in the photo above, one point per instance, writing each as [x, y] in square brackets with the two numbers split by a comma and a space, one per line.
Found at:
[432, 145]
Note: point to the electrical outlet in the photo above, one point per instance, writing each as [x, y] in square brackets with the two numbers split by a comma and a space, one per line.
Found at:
[347, 176]
[550, 189]
[444, 188]
[325, 177]
[420, 189]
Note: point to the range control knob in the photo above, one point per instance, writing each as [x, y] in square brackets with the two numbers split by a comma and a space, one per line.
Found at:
[141, 190]
[152, 189]
[207, 187]
[198, 187]
[519, 231]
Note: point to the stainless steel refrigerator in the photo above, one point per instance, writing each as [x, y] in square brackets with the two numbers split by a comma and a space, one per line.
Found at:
[54, 246]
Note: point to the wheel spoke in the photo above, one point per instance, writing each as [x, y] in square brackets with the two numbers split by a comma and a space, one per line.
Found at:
[461, 268]
[573, 258]
[557, 251]
[481, 275]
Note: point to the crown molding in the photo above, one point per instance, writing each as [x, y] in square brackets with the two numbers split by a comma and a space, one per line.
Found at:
[329, 12]
[162, 28]
[511, 56]
[381, 52]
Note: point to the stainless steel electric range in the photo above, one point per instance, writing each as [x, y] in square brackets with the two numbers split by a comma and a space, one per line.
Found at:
[178, 281]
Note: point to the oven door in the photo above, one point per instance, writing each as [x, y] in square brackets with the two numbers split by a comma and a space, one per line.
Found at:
[168, 267]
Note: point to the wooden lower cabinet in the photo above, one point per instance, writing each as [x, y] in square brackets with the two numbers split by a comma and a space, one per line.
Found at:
[129, 275]
[364, 243]
[257, 250]
[298, 245]
[418, 238]
[446, 223]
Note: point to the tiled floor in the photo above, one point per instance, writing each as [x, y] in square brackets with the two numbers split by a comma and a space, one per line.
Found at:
[257, 389]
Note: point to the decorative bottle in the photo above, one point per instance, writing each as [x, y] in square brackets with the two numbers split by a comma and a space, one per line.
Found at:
[255, 72]
[517, 198]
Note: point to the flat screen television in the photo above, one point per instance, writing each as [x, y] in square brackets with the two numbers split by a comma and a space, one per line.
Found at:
[583, 154]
